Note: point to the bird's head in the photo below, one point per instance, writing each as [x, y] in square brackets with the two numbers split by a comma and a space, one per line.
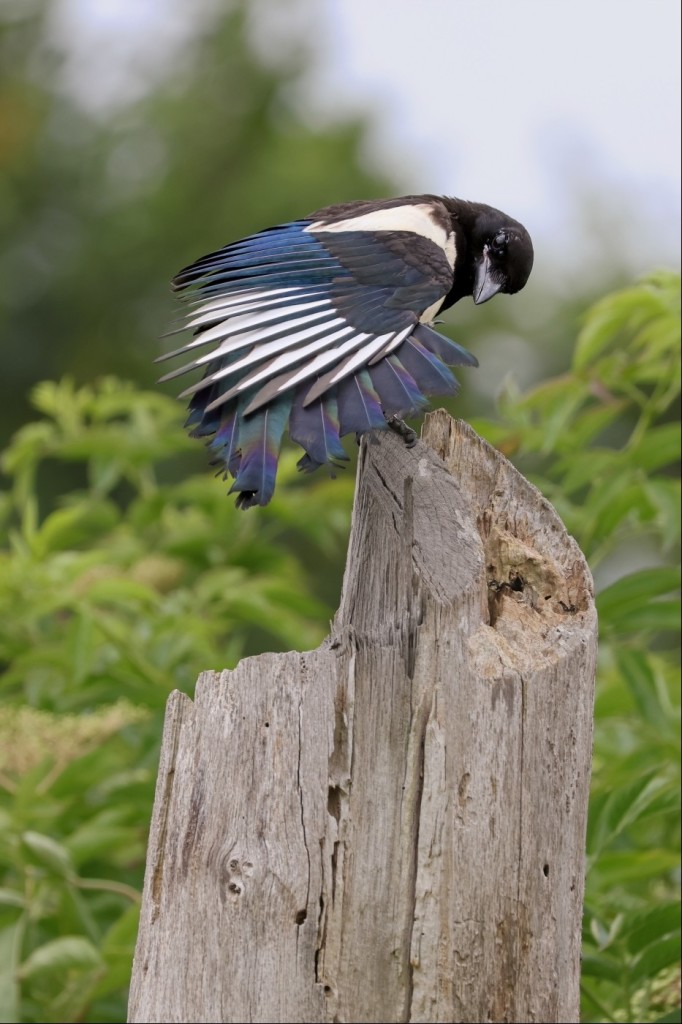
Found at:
[503, 255]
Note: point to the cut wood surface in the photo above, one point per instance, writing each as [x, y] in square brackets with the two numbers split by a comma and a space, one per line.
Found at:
[391, 827]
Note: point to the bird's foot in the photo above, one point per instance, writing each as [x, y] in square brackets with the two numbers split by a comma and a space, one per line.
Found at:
[400, 427]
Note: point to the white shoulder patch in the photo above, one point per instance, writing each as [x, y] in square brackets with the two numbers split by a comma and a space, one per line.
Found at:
[417, 219]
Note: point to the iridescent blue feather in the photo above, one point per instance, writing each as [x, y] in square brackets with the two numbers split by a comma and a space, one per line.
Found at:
[359, 405]
[396, 389]
[316, 429]
[225, 444]
[445, 348]
[328, 318]
[260, 437]
[430, 375]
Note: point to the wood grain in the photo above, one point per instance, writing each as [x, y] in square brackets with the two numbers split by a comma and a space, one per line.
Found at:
[392, 827]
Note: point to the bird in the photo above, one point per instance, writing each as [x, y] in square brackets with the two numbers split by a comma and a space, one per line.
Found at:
[325, 326]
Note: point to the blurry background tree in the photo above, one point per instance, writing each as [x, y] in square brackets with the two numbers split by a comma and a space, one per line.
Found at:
[98, 212]
[124, 570]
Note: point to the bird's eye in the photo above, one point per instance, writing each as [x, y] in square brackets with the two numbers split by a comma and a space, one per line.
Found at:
[499, 242]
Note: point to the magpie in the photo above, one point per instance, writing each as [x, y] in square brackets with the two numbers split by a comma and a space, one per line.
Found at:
[323, 325]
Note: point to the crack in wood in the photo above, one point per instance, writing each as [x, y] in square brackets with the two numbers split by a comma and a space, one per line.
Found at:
[439, 769]
[171, 739]
[410, 966]
[300, 798]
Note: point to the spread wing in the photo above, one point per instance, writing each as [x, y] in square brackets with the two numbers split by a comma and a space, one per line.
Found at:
[318, 324]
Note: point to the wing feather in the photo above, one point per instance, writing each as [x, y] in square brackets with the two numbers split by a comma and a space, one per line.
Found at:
[289, 380]
[306, 323]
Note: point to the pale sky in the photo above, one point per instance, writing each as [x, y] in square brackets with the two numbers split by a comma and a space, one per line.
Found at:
[518, 103]
[524, 104]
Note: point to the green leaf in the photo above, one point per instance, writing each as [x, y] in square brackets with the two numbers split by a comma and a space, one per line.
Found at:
[627, 805]
[657, 448]
[648, 926]
[116, 589]
[102, 831]
[48, 853]
[608, 318]
[637, 671]
[632, 868]
[674, 1017]
[581, 468]
[664, 497]
[601, 935]
[632, 592]
[11, 938]
[70, 952]
[655, 617]
[663, 953]
[598, 965]
[117, 949]
[75, 526]
[610, 504]
[592, 423]
[11, 898]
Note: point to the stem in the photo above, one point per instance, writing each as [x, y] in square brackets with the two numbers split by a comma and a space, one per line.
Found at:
[108, 885]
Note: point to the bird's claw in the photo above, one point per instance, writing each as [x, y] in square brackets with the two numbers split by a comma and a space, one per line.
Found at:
[400, 427]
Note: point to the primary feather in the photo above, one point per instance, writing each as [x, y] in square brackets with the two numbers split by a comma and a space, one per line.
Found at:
[322, 325]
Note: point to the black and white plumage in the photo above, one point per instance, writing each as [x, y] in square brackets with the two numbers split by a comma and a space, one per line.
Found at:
[323, 325]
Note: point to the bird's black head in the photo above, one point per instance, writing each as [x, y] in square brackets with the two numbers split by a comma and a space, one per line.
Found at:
[497, 253]
[502, 255]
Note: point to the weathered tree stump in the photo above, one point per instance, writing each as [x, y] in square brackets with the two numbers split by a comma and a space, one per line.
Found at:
[391, 827]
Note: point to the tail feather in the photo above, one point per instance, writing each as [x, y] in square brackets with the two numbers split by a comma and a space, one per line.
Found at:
[260, 437]
[446, 349]
[199, 422]
[316, 428]
[431, 376]
[225, 444]
[246, 445]
[359, 405]
[396, 388]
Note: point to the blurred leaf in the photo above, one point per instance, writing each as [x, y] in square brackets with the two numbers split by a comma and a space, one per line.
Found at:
[662, 953]
[598, 965]
[75, 526]
[632, 593]
[125, 570]
[629, 312]
[10, 946]
[48, 853]
[664, 497]
[117, 950]
[657, 448]
[638, 673]
[629, 803]
[674, 1017]
[64, 954]
[634, 867]
[105, 829]
[659, 616]
[611, 505]
[9, 898]
[651, 925]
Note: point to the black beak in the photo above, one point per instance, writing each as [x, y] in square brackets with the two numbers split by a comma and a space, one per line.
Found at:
[485, 283]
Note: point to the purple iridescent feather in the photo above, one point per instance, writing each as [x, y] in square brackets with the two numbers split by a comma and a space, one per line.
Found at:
[260, 436]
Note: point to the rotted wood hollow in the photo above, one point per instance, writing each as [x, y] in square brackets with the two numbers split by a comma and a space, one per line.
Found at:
[391, 827]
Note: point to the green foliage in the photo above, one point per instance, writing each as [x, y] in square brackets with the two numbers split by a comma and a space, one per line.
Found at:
[118, 583]
[98, 212]
[128, 588]
[603, 443]
[124, 570]
[131, 584]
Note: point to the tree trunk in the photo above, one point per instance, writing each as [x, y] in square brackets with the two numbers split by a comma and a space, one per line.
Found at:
[391, 827]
